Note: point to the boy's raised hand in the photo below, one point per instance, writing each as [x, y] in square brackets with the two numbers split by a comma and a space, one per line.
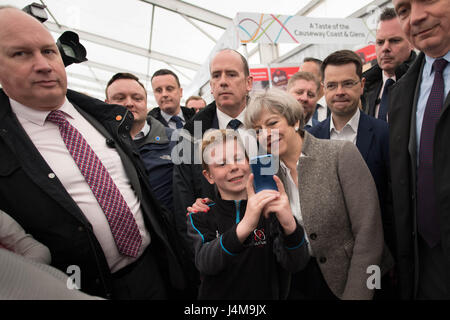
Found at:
[255, 204]
[282, 208]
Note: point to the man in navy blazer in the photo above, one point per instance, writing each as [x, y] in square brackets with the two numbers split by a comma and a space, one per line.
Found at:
[343, 85]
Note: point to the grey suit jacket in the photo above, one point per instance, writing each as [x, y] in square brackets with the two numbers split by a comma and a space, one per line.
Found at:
[341, 214]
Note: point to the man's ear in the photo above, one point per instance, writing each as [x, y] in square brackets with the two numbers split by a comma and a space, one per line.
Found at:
[363, 82]
[208, 176]
[249, 83]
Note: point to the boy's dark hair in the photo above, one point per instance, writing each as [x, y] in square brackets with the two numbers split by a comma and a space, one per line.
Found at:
[123, 75]
[163, 72]
[342, 57]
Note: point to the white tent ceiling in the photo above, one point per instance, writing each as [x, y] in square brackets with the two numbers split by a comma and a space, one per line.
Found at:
[142, 36]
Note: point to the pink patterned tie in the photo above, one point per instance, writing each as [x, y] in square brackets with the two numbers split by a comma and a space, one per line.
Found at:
[121, 221]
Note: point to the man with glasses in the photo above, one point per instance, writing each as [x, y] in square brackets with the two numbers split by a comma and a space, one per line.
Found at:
[343, 86]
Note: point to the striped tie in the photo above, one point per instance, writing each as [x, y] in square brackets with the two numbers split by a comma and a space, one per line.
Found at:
[121, 221]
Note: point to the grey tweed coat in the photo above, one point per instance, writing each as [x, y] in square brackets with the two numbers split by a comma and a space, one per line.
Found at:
[341, 214]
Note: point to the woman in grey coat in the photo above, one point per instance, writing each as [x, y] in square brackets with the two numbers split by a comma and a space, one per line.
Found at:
[332, 194]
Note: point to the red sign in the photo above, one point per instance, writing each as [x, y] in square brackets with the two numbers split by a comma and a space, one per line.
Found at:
[367, 53]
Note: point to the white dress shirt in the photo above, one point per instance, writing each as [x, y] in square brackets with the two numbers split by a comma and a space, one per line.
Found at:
[349, 132]
[322, 109]
[46, 137]
[425, 88]
[248, 139]
[144, 132]
[294, 197]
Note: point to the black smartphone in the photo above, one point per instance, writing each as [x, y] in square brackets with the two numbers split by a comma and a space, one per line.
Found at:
[263, 170]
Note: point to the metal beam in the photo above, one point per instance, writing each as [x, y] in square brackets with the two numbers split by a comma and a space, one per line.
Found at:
[192, 11]
[113, 69]
[311, 5]
[198, 28]
[125, 47]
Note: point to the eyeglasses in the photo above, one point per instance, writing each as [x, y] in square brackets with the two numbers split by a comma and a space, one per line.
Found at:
[347, 84]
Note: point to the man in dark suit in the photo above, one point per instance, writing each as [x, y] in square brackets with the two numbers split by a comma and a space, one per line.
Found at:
[70, 176]
[230, 84]
[168, 93]
[343, 85]
[419, 118]
[394, 56]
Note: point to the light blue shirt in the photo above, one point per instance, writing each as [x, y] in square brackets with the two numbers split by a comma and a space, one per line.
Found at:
[425, 89]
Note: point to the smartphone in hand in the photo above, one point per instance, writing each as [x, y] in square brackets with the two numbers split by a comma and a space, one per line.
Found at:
[263, 170]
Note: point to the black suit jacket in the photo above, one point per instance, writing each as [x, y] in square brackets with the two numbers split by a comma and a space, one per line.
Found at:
[188, 180]
[372, 141]
[403, 157]
[188, 113]
[374, 82]
[41, 205]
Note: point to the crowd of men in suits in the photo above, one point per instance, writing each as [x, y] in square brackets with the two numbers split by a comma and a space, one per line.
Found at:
[396, 113]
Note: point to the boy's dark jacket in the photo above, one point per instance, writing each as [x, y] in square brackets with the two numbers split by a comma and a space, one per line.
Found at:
[257, 269]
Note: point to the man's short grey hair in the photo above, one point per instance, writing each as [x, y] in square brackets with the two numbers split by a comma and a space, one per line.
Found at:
[302, 75]
[275, 101]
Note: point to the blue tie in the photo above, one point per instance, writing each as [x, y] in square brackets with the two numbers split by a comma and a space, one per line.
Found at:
[234, 124]
[427, 218]
[382, 112]
[178, 121]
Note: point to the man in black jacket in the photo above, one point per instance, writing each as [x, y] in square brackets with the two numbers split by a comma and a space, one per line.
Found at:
[47, 186]
[168, 93]
[150, 136]
[419, 133]
[394, 56]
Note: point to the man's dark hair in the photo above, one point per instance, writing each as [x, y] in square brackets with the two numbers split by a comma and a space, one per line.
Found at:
[123, 75]
[342, 57]
[315, 60]
[244, 61]
[388, 14]
[163, 72]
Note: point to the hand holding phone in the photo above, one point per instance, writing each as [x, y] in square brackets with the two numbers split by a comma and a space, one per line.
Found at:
[263, 170]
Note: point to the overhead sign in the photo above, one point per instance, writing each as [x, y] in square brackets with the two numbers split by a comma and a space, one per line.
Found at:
[271, 28]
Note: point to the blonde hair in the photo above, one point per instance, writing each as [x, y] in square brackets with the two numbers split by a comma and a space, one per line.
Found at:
[215, 137]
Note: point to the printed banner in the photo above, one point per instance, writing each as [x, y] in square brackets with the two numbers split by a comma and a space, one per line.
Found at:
[271, 28]
[367, 53]
[280, 75]
[261, 79]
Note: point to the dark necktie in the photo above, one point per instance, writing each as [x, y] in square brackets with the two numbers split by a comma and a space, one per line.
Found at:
[382, 112]
[427, 219]
[120, 218]
[234, 124]
[178, 121]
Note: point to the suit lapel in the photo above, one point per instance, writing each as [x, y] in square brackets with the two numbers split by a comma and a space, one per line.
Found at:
[306, 172]
[364, 135]
[373, 98]
[324, 130]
